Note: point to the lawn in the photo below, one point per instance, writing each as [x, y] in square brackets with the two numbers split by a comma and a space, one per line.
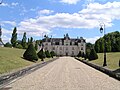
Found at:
[11, 59]
[112, 60]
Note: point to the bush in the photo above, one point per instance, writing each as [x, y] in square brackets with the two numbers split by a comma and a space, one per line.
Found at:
[30, 53]
[41, 54]
[8, 45]
[93, 55]
[52, 53]
[19, 46]
[79, 54]
[82, 55]
[86, 55]
[47, 54]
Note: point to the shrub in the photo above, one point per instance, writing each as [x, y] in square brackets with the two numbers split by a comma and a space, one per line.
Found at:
[52, 53]
[8, 45]
[82, 55]
[30, 53]
[86, 55]
[47, 54]
[79, 54]
[93, 55]
[41, 54]
[19, 46]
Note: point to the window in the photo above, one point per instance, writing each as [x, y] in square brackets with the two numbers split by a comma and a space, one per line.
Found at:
[53, 48]
[60, 48]
[72, 52]
[81, 48]
[46, 48]
[81, 44]
[66, 48]
[56, 43]
[72, 48]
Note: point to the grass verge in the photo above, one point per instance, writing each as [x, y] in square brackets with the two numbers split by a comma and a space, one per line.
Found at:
[112, 60]
[11, 60]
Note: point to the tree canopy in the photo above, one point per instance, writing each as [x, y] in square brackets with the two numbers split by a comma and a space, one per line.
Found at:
[112, 41]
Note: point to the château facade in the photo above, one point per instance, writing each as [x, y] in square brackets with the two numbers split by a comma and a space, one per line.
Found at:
[65, 46]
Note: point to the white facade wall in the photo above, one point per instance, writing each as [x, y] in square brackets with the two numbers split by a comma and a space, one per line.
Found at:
[65, 48]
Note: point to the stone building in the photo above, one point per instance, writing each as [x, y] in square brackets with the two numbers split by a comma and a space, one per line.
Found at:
[65, 46]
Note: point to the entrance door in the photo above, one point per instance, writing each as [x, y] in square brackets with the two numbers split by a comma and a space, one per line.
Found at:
[66, 53]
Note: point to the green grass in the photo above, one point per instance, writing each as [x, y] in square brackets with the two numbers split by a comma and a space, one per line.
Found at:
[112, 60]
[10, 59]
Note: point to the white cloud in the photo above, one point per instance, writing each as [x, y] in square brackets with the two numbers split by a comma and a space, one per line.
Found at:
[32, 27]
[86, 18]
[69, 1]
[14, 4]
[23, 10]
[4, 4]
[9, 22]
[92, 40]
[6, 35]
[9, 5]
[45, 11]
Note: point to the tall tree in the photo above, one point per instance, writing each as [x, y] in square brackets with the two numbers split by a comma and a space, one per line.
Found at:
[14, 37]
[31, 40]
[24, 44]
[36, 45]
[0, 31]
[112, 41]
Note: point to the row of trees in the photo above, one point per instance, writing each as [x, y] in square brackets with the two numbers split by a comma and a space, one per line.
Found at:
[112, 41]
[92, 55]
[21, 44]
[31, 55]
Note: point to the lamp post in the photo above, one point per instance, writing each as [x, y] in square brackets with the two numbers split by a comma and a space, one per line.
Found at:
[102, 30]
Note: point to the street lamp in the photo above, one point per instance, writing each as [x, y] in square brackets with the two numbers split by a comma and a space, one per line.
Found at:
[102, 30]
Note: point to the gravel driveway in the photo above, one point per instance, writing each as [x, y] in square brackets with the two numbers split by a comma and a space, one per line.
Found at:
[66, 73]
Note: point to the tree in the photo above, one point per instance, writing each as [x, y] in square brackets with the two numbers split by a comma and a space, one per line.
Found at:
[47, 54]
[31, 40]
[79, 54]
[28, 42]
[89, 45]
[14, 37]
[52, 53]
[24, 44]
[86, 55]
[36, 45]
[19, 46]
[93, 55]
[41, 54]
[112, 41]
[82, 55]
[0, 32]
[8, 45]
[30, 53]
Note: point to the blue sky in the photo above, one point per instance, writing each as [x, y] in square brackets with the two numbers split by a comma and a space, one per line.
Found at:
[78, 18]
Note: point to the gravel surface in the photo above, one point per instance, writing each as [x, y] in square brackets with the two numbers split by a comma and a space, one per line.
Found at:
[66, 73]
